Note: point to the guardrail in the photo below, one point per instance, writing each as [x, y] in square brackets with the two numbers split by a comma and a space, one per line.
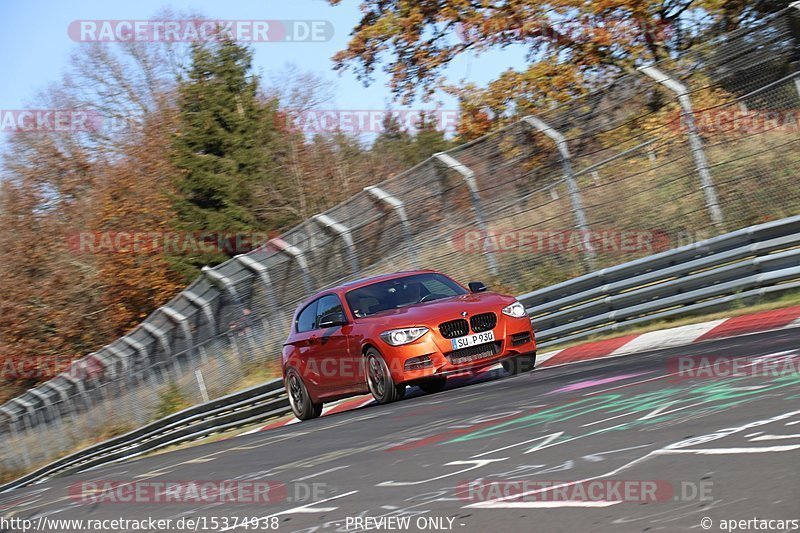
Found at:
[708, 274]
[228, 412]
[702, 276]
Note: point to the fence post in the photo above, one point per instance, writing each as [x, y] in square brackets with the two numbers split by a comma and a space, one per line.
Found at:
[469, 179]
[62, 392]
[47, 405]
[28, 422]
[181, 321]
[695, 141]
[12, 429]
[203, 305]
[11, 434]
[262, 272]
[54, 400]
[382, 197]
[572, 185]
[119, 355]
[73, 410]
[139, 348]
[297, 254]
[219, 279]
[77, 374]
[161, 337]
[343, 232]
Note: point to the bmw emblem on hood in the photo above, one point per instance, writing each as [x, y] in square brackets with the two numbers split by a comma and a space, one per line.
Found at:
[464, 313]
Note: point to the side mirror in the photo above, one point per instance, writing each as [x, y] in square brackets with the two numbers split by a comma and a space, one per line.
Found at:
[476, 286]
[332, 319]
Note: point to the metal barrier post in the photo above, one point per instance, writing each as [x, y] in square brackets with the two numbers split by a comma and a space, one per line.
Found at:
[27, 420]
[469, 179]
[205, 306]
[12, 428]
[181, 321]
[297, 254]
[73, 410]
[343, 232]
[119, 355]
[221, 280]
[262, 272]
[6, 439]
[572, 184]
[382, 197]
[161, 337]
[695, 141]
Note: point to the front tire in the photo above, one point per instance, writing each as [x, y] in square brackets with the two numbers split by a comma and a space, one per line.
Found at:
[379, 379]
[519, 364]
[299, 398]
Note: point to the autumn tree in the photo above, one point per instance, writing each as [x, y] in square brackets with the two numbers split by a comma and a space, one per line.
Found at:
[135, 198]
[572, 46]
[57, 302]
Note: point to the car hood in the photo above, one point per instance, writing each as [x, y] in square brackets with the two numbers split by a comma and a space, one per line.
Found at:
[428, 313]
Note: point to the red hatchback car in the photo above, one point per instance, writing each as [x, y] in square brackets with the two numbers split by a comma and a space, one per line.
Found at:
[383, 333]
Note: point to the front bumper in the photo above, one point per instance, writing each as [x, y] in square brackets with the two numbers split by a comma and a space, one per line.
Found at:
[438, 349]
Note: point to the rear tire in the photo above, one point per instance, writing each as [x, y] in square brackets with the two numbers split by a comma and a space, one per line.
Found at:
[299, 398]
[432, 386]
[379, 379]
[519, 364]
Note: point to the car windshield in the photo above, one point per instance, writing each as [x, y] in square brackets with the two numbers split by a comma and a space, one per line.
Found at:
[401, 292]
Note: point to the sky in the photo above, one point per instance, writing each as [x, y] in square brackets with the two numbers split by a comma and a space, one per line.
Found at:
[37, 46]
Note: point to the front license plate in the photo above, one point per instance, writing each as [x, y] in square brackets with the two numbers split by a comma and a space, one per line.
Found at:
[472, 340]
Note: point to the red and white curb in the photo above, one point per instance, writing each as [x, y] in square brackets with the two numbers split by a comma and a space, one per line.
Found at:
[679, 336]
[624, 345]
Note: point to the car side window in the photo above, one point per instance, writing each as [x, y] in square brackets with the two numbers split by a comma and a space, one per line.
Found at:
[328, 304]
[307, 319]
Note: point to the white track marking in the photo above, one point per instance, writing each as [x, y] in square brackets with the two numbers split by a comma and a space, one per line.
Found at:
[726, 451]
[501, 502]
[477, 463]
[775, 437]
[607, 419]
[320, 473]
[548, 437]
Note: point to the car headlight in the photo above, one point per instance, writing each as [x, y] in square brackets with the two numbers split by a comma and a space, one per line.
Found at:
[516, 310]
[398, 337]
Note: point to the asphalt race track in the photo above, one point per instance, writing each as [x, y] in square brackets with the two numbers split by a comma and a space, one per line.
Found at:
[506, 454]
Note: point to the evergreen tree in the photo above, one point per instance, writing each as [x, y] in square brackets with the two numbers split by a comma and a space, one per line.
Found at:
[225, 148]
[407, 149]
